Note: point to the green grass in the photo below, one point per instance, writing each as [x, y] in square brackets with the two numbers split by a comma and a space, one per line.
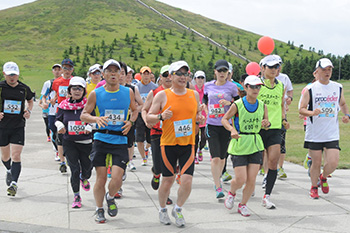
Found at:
[295, 135]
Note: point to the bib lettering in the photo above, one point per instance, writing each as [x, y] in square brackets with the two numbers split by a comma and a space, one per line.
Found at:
[115, 116]
[216, 110]
[183, 128]
[12, 106]
[62, 91]
[76, 127]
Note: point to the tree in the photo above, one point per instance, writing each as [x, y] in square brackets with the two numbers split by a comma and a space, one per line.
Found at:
[77, 50]
[135, 57]
[160, 52]
[216, 50]
[70, 50]
[177, 45]
[149, 51]
[132, 52]
[141, 54]
[171, 58]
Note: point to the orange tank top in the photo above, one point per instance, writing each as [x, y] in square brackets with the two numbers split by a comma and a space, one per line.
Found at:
[180, 128]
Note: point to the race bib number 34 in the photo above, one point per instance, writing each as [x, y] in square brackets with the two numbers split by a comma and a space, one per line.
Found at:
[12, 106]
[216, 110]
[115, 116]
[183, 128]
[76, 127]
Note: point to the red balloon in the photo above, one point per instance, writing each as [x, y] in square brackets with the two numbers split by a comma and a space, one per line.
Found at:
[266, 45]
[252, 68]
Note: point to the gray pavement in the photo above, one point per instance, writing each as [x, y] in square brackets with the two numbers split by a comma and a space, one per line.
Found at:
[43, 201]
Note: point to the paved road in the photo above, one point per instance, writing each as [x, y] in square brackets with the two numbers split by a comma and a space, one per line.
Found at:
[44, 198]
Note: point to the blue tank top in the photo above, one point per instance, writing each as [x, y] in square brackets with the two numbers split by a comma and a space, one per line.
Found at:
[115, 105]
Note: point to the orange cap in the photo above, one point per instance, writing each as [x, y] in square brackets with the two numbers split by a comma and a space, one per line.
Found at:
[137, 76]
[144, 69]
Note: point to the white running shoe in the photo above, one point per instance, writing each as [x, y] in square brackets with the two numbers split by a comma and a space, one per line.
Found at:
[229, 202]
[179, 218]
[243, 210]
[164, 217]
[267, 203]
[144, 162]
[131, 166]
[57, 158]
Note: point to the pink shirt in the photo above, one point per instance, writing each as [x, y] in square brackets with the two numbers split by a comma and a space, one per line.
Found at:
[201, 94]
[100, 84]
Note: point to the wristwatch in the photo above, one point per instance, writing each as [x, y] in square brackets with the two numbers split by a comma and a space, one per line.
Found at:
[132, 123]
[160, 117]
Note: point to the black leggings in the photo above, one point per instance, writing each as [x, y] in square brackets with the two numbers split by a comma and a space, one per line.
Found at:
[203, 140]
[156, 154]
[47, 129]
[77, 155]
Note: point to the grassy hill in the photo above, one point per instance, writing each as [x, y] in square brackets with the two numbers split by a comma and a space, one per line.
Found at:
[36, 35]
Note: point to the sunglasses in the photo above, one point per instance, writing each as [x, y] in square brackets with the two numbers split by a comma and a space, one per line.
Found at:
[12, 75]
[255, 87]
[222, 70]
[77, 88]
[67, 68]
[179, 73]
[200, 77]
[97, 73]
[165, 75]
[274, 67]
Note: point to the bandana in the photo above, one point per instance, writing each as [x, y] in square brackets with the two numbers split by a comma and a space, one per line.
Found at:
[69, 104]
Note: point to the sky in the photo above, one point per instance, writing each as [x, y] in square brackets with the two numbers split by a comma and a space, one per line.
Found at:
[320, 24]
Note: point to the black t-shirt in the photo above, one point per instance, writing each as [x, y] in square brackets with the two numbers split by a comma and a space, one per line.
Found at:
[12, 104]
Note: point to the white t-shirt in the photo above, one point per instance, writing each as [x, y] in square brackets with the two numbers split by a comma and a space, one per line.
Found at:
[286, 82]
[44, 90]
[325, 126]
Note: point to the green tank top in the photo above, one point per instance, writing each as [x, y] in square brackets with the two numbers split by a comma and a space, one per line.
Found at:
[249, 124]
[272, 97]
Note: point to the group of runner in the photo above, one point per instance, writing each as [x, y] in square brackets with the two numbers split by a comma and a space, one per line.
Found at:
[92, 124]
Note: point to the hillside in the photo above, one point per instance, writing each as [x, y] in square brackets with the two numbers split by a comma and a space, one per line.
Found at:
[36, 36]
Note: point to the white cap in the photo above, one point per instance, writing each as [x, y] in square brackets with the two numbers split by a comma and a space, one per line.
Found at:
[278, 58]
[11, 68]
[269, 60]
[199, 73]
[77, 81]
[229, 67]
[93, 68]
[128, 69]
[252, 80]
[111, 62]
[56, 65]
[175, 66]
[262, 62]
[323, 63]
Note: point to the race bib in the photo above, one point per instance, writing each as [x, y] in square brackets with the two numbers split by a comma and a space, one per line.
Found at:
[62, 91]
[115, 116]
[183, 128]
[12, 106]
[327, 109]
[216, 110]
[76, 127]
[144, 96]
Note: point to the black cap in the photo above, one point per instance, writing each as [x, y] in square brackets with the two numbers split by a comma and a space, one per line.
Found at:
[67, 61]
[221, 64]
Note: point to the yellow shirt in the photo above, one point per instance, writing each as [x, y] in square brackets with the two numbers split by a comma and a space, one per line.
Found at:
[90, 87]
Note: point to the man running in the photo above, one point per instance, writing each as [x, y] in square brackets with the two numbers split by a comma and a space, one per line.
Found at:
[178, 138]
[321, 103]
[111, 102]
[13, 115]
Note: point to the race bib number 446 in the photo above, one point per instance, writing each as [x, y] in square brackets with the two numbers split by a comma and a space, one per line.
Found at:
[115, 116]
[12, 106]
[76, 127]
[183, 128]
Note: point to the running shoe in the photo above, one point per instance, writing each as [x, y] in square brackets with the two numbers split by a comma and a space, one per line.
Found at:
[178, 178]
[229, 202]
[8, 177]
[306, 161]
[200, 156]
[12, 190]
[124, 176]
[76, 202]
[48, 139]
[131, 166]
[144, 162]
[196, 160]
[219, 192]
[63, 168]
[226, 177]
[112, 207]
[164, 217]
[119, 194]
[206, 147]
[263, 184]
[324, 184]
[85, 184]
[262, 171]
[57, 158]
[100, 216]
[267, 203]
[179, 218]
[281, 174]
[109, 172]
[314, 193]
[243, 210]
[169, 201]
[155, 182]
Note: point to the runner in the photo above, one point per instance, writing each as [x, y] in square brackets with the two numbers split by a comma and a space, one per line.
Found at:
[142, 131]
[178, 138]
[199, 78]
[95, 78]
[218, 96]
[45, 115]
[129, 74]
[13, 115]
[60, 86]
[246, 145]
[77, 139]
[112, 103]
[321, 103]
[272, 94]
[48, 94]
